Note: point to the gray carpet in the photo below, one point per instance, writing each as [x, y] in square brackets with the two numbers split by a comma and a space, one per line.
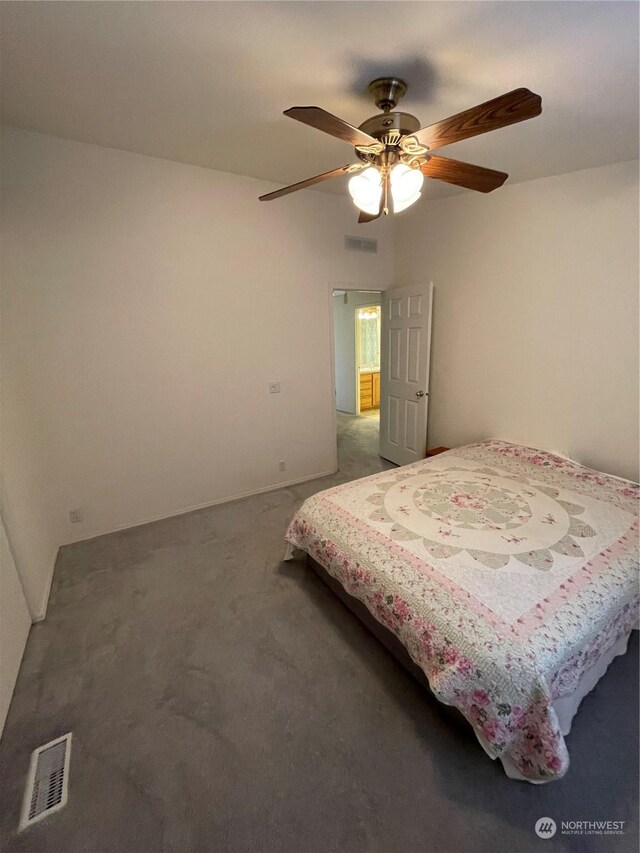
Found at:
[221, 700]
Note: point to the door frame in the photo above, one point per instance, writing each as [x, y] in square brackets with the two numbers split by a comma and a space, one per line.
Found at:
[348, 286]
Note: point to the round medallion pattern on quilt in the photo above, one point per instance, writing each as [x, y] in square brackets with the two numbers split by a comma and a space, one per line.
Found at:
[489, 516]
[470, 504]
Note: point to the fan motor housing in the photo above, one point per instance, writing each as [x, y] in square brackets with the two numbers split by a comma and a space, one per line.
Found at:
[389, 128]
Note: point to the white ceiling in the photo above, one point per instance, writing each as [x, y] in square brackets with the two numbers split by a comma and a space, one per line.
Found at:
[206, 83]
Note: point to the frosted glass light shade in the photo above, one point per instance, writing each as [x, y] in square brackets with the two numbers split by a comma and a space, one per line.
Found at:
[399, 206]
[366, 189]
[406, 184]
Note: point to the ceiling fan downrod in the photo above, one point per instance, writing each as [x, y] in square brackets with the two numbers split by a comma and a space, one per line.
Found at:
[390, 126]
[387, 91]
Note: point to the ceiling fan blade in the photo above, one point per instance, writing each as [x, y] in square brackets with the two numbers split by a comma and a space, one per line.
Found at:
[309, 182]
[334, 126]
[368, 217]
[463, 174]
[512, 107]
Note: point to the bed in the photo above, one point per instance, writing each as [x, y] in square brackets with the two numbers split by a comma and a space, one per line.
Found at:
[506, 575]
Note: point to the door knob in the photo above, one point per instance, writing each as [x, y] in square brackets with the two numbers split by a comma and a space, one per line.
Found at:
[419, 393]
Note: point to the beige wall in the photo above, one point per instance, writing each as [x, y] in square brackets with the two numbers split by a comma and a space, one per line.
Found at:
[535, 329]
[146, 305]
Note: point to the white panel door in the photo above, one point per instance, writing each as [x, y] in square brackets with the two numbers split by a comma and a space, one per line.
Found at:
[404, 375]
[14, 625]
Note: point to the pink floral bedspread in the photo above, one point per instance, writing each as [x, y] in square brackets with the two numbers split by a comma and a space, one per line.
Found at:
[505, 572]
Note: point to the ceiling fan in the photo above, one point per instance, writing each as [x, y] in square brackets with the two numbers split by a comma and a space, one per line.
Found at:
[395, 152]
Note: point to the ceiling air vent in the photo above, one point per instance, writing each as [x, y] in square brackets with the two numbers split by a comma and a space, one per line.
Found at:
[361, 244]
[47, 782]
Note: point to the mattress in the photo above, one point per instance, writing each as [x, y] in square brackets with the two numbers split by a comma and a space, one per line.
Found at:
[508, 574]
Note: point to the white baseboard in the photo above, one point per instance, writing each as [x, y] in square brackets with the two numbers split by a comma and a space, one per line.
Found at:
[195, 507]
[41, 611]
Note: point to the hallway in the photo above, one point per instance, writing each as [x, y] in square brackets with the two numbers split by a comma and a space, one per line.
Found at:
[358, 440]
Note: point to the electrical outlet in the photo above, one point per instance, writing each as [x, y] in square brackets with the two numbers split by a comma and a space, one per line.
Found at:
[282, 465]
[75, 515]
[274, 387]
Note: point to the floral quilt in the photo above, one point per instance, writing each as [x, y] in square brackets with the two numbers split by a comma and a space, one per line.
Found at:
[505, 572]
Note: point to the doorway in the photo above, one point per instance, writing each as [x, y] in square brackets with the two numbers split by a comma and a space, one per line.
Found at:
[382, 343]
[357, 317]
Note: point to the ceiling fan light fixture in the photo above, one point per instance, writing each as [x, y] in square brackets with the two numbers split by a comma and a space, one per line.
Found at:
[366, 189]
[406, 184]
